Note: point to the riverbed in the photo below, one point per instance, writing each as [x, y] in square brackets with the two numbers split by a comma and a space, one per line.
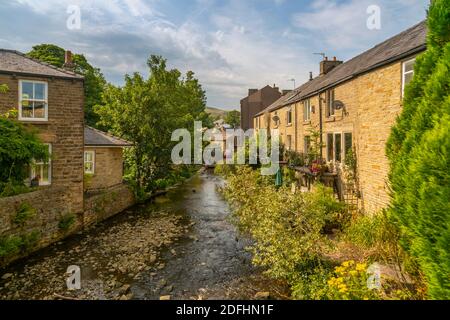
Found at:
[179, 246]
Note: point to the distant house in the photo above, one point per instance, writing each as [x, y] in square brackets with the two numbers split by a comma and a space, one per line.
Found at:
[255, 102]
[103, 159]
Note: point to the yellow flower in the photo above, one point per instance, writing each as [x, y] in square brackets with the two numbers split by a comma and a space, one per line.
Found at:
[353, 273]
[361, 267]
[365, 298]
[347, 264]
[339, 270]
[343, 289]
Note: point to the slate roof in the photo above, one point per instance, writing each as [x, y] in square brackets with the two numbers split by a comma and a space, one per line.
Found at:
[14, 62]
[407, 43]
[97, 138]
[276, 105]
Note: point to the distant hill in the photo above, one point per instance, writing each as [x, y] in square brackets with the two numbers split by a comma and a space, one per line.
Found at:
[216, 113]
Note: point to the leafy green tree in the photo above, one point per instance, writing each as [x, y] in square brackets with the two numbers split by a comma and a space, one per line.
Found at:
[233, 118]
[419, 153]
[93, 78]
[147, 111]
[18, 147]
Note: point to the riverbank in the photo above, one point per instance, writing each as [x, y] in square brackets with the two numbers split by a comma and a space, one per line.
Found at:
[181, 246]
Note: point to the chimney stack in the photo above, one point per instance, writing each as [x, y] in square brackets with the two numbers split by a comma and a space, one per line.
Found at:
[252, 91]
[68, 61]
[285, 92]
[328, 65]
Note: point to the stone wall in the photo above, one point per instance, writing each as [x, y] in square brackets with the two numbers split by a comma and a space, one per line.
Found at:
[104, 204]
[108, 169]
[51, 219]
[45, 208]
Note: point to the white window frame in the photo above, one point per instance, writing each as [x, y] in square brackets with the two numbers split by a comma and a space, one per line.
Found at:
[45, 100]
[342, 133]
[93, 162]
[49, 164]
[331, 95]
[307, 110]
[334, 145]
[404, 73]
[289, 142]
[343, 143]
[289, 112]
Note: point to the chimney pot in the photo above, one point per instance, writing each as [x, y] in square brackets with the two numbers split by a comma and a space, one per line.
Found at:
[68, 61]
[328, 65]
[310, 75]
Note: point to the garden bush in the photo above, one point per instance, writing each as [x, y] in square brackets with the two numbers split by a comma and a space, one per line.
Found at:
[419, 152]
[288, 228]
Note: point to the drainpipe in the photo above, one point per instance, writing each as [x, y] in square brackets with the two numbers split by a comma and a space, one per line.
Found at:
[295, 126]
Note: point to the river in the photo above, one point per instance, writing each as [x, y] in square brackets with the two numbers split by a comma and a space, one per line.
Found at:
[180, 246]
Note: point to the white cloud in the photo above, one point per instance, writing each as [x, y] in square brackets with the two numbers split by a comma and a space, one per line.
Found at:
[230, 47]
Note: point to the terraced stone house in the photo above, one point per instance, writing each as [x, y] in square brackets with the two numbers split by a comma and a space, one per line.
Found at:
[353, 105]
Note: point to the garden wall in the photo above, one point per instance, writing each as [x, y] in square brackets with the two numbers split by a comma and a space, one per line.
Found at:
[35, 220]
[101, 205]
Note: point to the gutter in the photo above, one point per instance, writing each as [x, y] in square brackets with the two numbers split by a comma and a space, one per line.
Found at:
[37, 75]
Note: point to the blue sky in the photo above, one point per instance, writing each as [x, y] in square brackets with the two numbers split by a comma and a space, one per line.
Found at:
[231, 45]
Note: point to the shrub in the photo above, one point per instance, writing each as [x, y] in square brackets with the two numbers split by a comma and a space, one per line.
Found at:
[288, 228]
[14, 245]
[419, 153]
[24, 213]
[66, 222]
[18, 147]
[350, 282]
[10, 246]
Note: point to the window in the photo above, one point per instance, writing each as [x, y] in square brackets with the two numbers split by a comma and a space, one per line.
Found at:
[33, 104]
[337, 147]
[289, 116]
[307, 110]
[330, 102]
[408, 73]
[289, 142]
[41, 171]
[348, 142]
[330, 147]
[307, 144]
[89, 162]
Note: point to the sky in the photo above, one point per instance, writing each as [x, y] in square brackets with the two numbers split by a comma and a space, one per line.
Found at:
[231, 45]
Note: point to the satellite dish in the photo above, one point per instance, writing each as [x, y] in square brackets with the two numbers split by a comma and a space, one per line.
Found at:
[338, 105]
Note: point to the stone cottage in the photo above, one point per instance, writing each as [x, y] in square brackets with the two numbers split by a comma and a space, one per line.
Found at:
[51, 101]
[353, 106]
[103, 159]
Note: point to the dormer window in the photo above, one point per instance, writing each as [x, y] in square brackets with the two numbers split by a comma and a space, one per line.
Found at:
[33, 100]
